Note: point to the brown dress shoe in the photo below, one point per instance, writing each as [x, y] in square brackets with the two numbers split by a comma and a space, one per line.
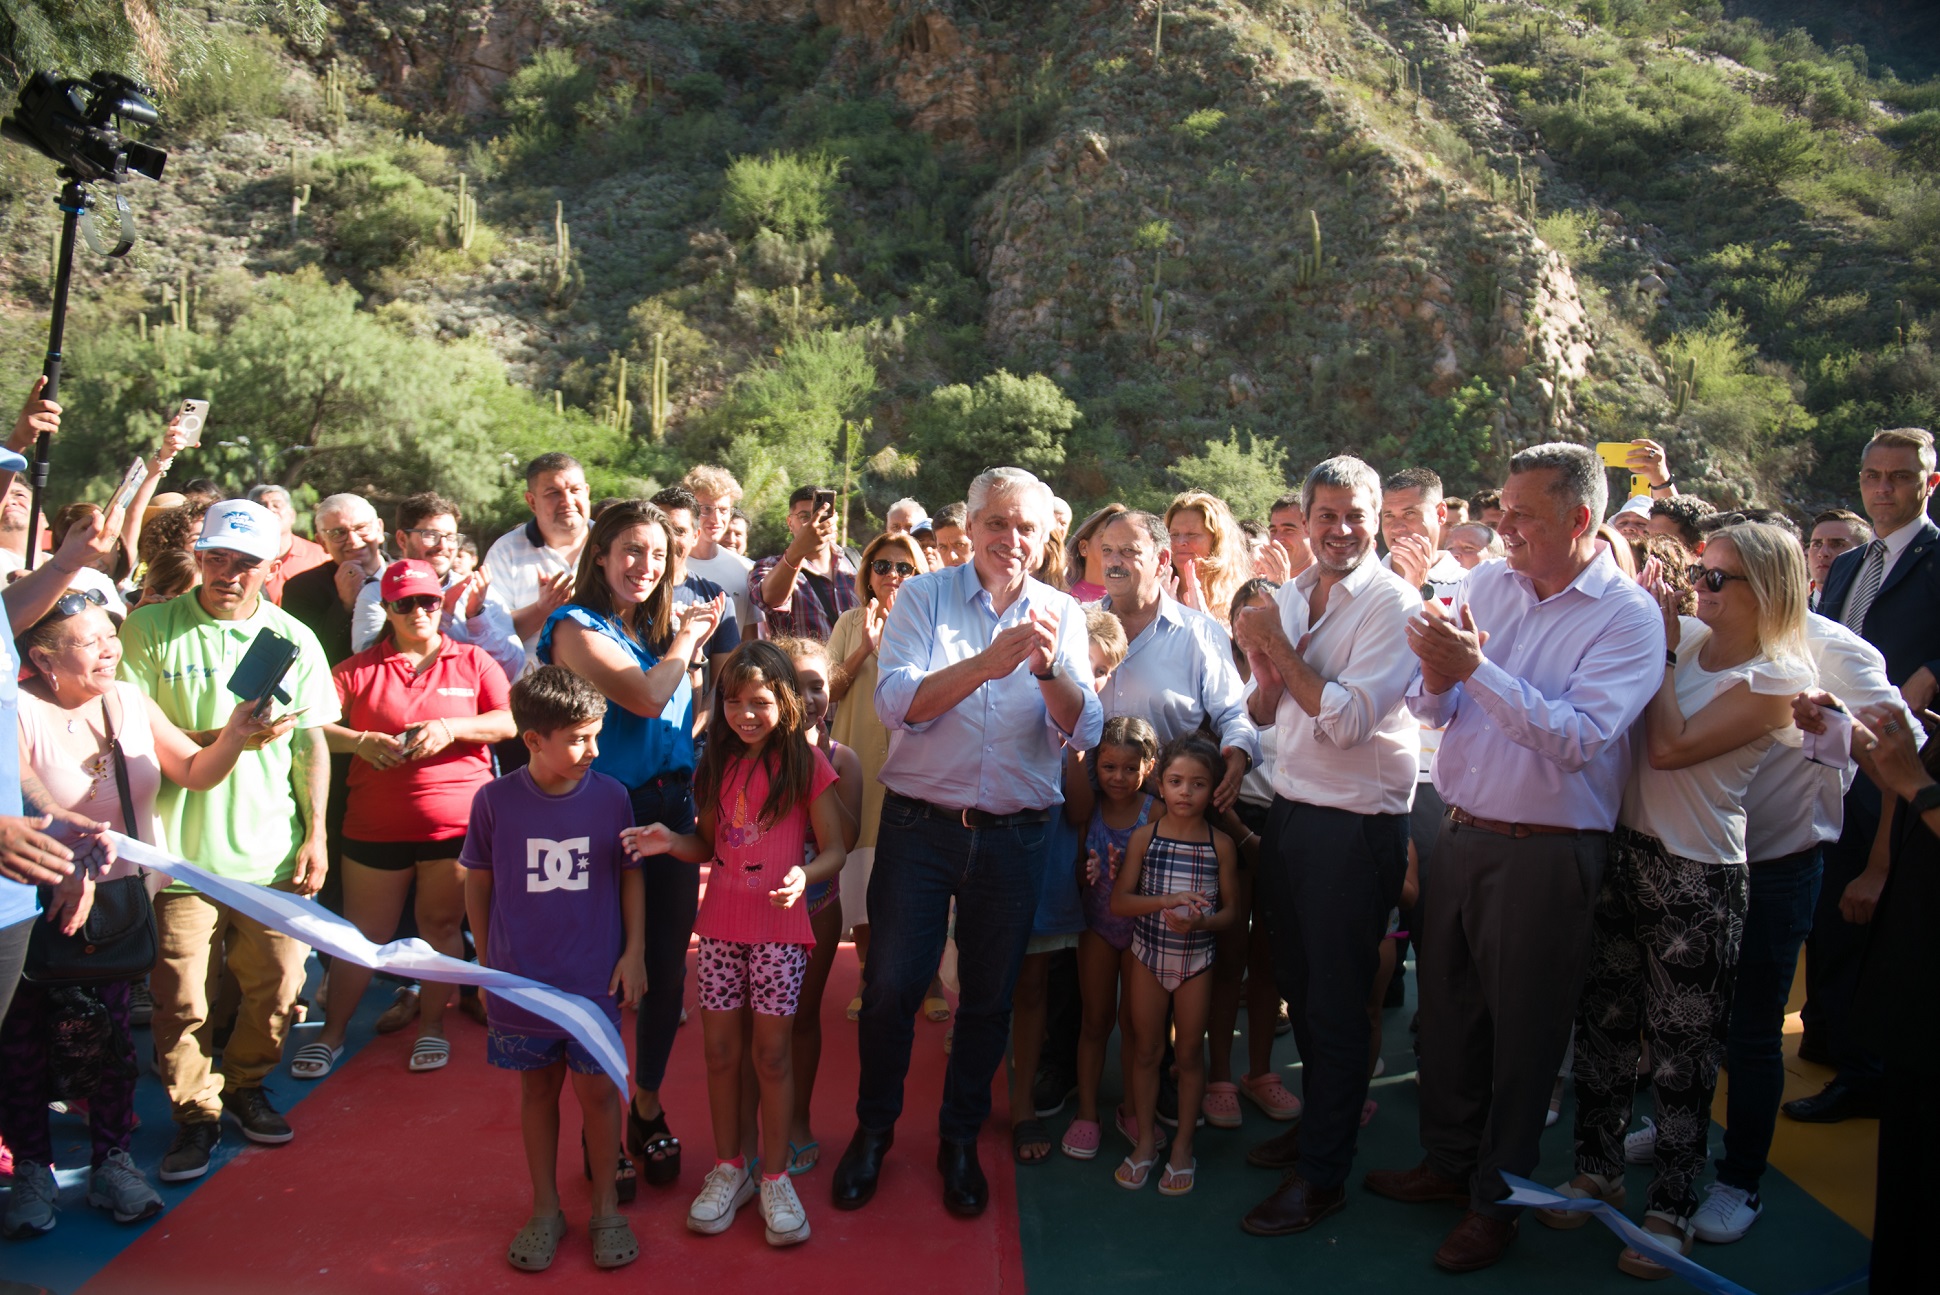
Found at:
[1281, 1151]
[1295, 1207]
[1476, 1242]
[1418, 1186]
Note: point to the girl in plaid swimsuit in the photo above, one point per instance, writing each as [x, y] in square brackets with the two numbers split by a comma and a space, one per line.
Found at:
[1175, 870]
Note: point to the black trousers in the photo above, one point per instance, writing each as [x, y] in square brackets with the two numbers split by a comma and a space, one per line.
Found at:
[1835, 949]
[1328, 880]
[1908, 1193]
[1505, 940]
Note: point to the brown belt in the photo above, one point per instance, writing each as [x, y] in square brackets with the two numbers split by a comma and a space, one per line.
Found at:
[1516, 830]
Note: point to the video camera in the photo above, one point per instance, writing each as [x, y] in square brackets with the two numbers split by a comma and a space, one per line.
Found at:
[75, 122]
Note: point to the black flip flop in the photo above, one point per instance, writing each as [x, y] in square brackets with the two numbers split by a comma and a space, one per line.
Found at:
[1029, 1132]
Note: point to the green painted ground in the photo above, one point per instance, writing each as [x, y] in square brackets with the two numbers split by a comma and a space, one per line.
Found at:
[1082, 1232]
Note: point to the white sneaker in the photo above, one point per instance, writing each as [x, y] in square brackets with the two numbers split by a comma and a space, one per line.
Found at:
[1640, 1148]
[31, 1203]
[725, 1190]
[782, 1211]
[1726, 1215]
[117, 1186]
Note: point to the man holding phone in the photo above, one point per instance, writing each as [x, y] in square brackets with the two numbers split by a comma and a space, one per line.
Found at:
[801, 592]
[263, 825]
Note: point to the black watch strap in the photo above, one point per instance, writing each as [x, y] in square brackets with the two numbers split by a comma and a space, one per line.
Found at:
[1926, 798]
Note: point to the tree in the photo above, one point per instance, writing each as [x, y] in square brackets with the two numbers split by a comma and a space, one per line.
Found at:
[1249, 472]
[957, 431]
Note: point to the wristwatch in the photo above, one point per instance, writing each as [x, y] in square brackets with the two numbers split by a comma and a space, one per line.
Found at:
[1047, 676]
[1926, 798]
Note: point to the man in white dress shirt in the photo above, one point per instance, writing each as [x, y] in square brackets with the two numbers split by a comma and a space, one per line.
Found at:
[531, 567]
[1332, 667]
[1553, 658]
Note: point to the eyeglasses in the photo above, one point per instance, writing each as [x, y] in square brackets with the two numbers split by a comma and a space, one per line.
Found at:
[1713, 580]
[713, 510]
[76, 601]
[415, 603]
[434, 537]
[883, 566]
[337, 534]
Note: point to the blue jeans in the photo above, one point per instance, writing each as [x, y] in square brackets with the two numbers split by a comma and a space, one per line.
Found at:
[922, 863]
[673, 893]
[1784, 893]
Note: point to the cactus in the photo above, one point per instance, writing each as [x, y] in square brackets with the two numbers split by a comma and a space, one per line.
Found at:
[141, 326]
[658, 406]
[336, 99]
[1684, 387]
[1306, 265]
[53, 256]
[181, 298]
[1899, 321]
[1158, 34]
[620, 415]
[559, 402]
[567, 278]
[463, 222]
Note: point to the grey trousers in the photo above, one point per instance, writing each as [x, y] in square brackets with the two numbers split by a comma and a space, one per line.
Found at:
[1505, 942]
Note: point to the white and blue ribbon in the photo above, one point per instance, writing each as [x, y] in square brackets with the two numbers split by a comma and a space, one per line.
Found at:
[302, 919]
[1536, 1196]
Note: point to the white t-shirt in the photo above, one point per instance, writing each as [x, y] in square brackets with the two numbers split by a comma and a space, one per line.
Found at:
[729, 570]
[515, 563]
[1699, 811]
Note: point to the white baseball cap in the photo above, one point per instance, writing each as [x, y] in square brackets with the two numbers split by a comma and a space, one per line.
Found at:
[247, 528]
[1639, 504]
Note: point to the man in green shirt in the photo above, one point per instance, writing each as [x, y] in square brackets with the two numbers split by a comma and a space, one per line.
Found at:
[264, 825]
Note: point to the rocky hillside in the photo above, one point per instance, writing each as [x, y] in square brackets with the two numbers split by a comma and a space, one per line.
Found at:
[1230, 237]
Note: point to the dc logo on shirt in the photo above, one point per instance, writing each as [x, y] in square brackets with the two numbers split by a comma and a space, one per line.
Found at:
[557, 865]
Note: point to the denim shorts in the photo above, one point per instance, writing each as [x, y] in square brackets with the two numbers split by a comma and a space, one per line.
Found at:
[531, 1052]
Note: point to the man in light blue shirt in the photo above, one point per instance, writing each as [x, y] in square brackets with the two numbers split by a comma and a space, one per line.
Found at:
[984, 681]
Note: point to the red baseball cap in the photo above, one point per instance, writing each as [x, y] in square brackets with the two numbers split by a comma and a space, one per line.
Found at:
[408, 579]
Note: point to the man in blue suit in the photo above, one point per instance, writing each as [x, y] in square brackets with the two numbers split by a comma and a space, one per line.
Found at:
[1889, 594]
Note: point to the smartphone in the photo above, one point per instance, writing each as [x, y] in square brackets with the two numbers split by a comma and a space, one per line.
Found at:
[1615, 454]
[409, 737]
[1639, 485]
[193, 415]
[259, 675]
[824, 502]
[130, 482]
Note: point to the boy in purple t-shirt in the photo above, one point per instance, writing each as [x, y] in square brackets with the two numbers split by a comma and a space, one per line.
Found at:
[551, 896]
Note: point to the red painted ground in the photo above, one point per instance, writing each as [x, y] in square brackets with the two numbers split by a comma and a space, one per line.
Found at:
[416, 1183]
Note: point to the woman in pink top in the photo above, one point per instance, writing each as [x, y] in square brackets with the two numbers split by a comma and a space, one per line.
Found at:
[761, 788]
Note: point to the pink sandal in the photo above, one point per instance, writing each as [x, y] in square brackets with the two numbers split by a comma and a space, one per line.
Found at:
[1128, 1125]
[1368, 1108]
[1221, 1106]
[1082, 1140]
[1271, 1096]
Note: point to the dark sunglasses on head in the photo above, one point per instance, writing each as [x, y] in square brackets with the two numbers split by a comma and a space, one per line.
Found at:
[883, 566]
[1711, 579]
[76, 601]
[415, 603]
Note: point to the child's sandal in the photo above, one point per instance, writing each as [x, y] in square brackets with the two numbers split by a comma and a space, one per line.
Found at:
[1131, 1174]
[1180, 1180]
[655, 1148]
[538, 1241]
[613, 1242]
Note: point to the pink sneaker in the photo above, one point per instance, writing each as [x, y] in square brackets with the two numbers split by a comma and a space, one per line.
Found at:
[1222, 1105]
[1082, 1139]
[1271, 1096]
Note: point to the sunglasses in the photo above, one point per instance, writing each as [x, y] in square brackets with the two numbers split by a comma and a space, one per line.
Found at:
[1711, 579]
[76, 601]
[883, 566]
[415, 603]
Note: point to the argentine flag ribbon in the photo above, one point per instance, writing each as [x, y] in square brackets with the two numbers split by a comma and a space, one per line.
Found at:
[1524, 1192]
[302, 919]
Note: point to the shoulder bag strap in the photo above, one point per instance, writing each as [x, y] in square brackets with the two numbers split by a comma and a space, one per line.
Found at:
[128, 818]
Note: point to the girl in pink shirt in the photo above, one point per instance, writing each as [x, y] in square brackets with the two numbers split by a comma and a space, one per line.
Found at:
[761, 788]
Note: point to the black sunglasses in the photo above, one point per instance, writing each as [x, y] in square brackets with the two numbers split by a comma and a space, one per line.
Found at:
[76, 601]
[415, 603]
[883, 566]
[1711, 579]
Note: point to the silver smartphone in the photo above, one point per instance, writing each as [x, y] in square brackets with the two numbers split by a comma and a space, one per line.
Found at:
[193, 415]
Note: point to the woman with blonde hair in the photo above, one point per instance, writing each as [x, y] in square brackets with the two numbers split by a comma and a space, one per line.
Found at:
[1209, 552]
[1670, 913]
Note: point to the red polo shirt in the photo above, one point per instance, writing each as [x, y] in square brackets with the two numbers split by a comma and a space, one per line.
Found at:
[420, 800]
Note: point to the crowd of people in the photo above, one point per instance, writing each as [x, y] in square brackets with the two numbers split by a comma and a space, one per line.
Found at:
[1139, 771]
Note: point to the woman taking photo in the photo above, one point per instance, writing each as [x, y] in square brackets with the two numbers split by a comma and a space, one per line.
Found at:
[1671, 909]
[420, 713]
[887, 561]
[93, 744]
[621, 632]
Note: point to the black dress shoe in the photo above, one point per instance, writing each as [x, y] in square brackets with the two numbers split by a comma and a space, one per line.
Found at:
[1835, 1102]
[965, 1190]
[860, 1166]
[1296, 1206]
[1281, 1151]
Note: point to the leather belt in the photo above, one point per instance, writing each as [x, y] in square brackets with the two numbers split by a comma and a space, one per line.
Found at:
[974, 819]
[1516, 830]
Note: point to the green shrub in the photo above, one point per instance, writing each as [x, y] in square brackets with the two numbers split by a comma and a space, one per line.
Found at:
[377, 213]
[1770, 149]
[1917, 137]
[1248, 471]
[545, 96]
[786, 194]
[957, 431]
[239, 82]
[1200, 125]
[703, 90]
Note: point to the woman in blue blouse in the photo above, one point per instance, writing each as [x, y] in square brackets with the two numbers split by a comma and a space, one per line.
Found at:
[621, 631]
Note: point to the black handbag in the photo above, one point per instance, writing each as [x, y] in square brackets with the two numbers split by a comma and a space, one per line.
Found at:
[118, 941]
